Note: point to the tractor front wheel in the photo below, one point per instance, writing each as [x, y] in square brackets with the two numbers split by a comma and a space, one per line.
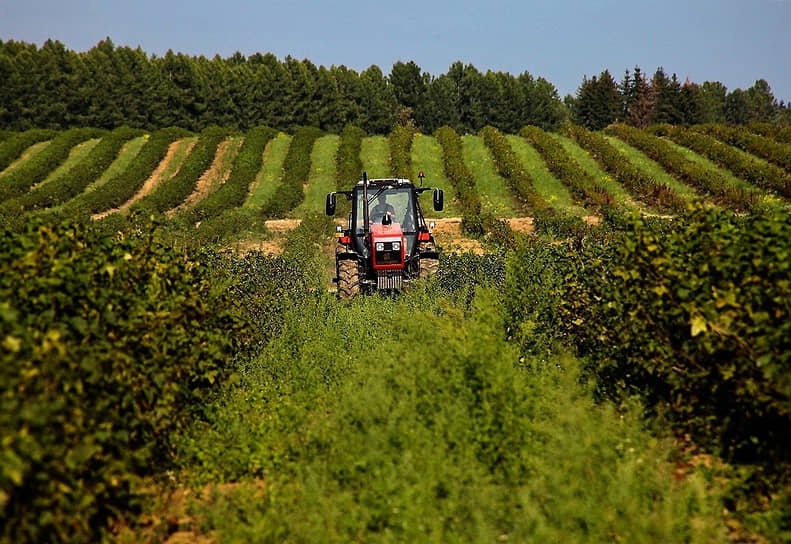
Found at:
[348, 278]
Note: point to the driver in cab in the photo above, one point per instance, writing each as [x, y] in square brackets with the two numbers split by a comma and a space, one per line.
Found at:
[382, 210]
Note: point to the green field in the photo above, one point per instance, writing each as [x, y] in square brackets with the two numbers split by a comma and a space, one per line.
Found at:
[271, 173]
[619, 382]
[322, 175]
[494, 192]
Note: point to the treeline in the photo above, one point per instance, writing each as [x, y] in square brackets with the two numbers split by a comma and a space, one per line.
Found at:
[109, 86]
[52, 87]
[641, 102]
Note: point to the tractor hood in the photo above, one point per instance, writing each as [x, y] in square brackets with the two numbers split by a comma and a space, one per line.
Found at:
[388, 246]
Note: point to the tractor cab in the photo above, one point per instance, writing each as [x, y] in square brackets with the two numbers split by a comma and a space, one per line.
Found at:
[387, 242]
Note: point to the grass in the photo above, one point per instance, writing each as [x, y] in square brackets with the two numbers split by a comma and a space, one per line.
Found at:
[493, 189]
[127, 154]
[178, 158]
[321, 179]
[375, 156]
[338, 437]
[427, 157]
[652, 168]
[706, 163]
[589, 164]
[271, 174]
[547, 185]
[28, 153]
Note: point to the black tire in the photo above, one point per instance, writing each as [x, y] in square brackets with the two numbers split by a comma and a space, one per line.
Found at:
[348, 278]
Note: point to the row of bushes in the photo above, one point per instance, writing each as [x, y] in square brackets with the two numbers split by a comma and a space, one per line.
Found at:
[777, 133]
[110, 345]
[174, 191]
[748, 168]
[400, 140]
[565, 168]
[35, 170]
[643, 186]
[461, 178]
[685, 170]
[119, 189]
[296, 169]
[510, 167]
[741, 137]
[71, 183]
[698, 317]
[234, 191]
[5, 134]
[348, 165]
[16, 143]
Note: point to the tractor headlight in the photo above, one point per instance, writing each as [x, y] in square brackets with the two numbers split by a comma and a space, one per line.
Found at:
[396, 246]
[380, 246]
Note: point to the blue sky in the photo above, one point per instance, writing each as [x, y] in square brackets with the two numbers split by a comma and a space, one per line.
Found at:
[732, 41]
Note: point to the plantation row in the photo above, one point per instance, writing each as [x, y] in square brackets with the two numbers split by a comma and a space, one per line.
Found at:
[584, 173]
[126, 361]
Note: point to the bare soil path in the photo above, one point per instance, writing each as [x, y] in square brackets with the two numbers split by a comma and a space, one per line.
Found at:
[217, 174]
[153, 181]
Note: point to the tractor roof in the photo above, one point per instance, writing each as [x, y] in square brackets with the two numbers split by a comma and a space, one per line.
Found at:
[392, 181]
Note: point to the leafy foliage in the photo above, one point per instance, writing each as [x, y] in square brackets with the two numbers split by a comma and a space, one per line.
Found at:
[696, 315]
[348, 165]
[19, 180]
[635, 180]
[234, 191]
[461, 178]
[401, 152]
[71, 183]
[509, 167]
[109, 345]
[15, 144]
[774, 152]
[296, 169]
[765, 175]
[683, 169]
[561, 164]
[174, 191]
[122, 187]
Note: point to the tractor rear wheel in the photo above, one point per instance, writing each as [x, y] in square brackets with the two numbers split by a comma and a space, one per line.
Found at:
[348, 278]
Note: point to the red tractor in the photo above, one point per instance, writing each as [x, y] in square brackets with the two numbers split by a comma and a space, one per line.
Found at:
[387, 243]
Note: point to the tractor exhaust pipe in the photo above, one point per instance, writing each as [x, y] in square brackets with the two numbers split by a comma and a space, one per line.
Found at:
[365, 207]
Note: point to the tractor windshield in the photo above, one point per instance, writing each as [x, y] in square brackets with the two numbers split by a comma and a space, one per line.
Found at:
[395, 203]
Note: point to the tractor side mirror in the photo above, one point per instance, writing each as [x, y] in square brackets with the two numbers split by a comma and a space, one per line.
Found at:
[329, 207]
[439, 200]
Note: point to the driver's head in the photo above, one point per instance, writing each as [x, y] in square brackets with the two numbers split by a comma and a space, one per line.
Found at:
[382, 199]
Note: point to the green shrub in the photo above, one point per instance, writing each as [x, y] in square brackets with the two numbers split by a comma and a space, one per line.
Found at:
[16, 143]
[764, 175]
[635, 180]
[5, 134]
[174, 191]
[348, 165]
[741, 137]
[18, 181]
[400, 140]
[583, 185]
[73, 182]
[695, 175]
[124, 186]
[462, 179]
[234, 191]
[696, 315]
[510, 168]
[109, 346]
[296, 169]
